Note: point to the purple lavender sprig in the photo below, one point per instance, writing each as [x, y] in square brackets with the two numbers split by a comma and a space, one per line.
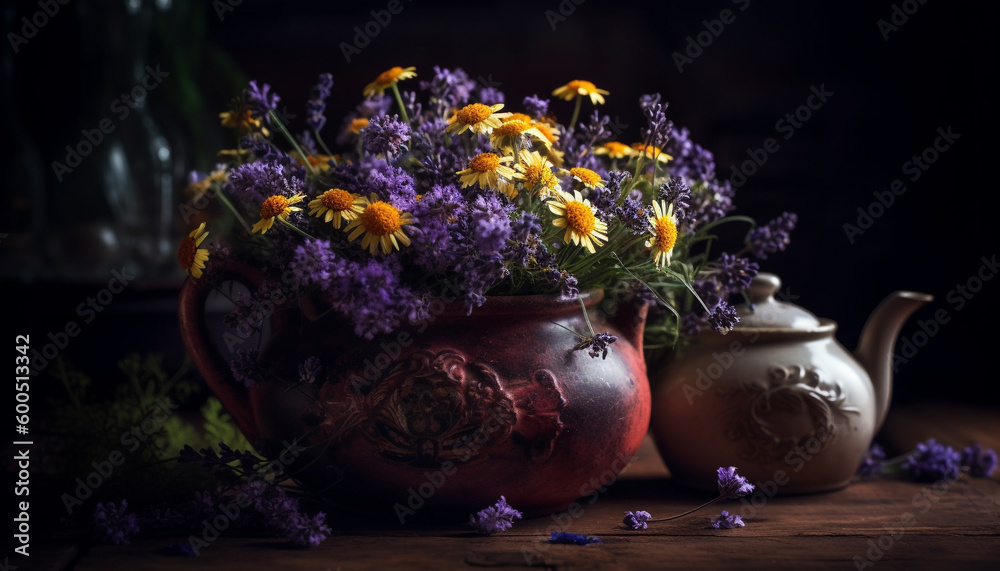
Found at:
[873, 462]
[385, 135]
[113, 524]
[245, 369]
[723, 317]
[261, 100]
[731, 486]
[597, 344]
[658, 127]
[535, 106]
[773, 236]
[980, 461]
[931, 461]
[316, 105]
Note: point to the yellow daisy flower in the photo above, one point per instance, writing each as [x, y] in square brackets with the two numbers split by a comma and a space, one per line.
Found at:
[651, 152]
[587, 177]
[536, 172]
[579, 219]
[235, 154]
[615, 150]
[337, 205]
[243, 121]
[276, 206]
[388, 78]
[489, 171]
[197, 190]
[581, 88]
[663, 227]
[519, 117]
[190, 257]
[511, 134]
[550, 132]
[356, 125]
[382, 225]
[476, 117]
[319, 162]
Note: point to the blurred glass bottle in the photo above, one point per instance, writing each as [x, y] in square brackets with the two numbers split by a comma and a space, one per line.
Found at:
[22, 179]
[180, 42]
[114, 208]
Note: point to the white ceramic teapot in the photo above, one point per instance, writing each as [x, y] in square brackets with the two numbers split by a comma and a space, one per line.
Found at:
[778, 396]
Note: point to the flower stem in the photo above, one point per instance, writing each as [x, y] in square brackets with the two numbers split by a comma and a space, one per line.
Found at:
[586, 317]
[727, 219]
[687, 284]
[576, 110]
[323, 145]
[706, 504]
[399, 100]
[236, 213]
[897, 460]
[293, 227]
[291, 140]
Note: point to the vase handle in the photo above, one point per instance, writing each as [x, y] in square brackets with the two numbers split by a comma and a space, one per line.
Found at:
[630, 319]
[205, 353]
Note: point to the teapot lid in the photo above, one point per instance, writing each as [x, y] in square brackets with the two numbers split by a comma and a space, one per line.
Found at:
[766, 312]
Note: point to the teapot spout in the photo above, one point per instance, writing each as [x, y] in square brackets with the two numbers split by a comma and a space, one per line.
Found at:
[878, 339]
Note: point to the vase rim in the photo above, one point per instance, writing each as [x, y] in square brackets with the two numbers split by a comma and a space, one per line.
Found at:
[531, 304]
[522, 304]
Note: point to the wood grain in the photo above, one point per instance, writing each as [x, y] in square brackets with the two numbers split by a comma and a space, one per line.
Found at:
[878, 523]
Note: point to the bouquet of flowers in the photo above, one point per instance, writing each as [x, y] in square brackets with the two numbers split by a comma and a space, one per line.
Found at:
[447, 191]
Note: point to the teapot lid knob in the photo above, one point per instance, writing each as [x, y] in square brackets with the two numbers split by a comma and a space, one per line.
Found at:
[763, 287]
[765, 312]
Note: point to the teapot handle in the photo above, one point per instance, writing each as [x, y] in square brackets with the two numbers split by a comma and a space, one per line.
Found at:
[204, 351]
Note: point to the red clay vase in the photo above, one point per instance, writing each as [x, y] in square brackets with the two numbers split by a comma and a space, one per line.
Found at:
[451, 414]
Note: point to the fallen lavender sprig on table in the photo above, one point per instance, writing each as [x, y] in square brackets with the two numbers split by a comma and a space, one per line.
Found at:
[930, 461]
[731, 486]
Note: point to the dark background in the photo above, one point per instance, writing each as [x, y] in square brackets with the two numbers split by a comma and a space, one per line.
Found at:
[938, 70]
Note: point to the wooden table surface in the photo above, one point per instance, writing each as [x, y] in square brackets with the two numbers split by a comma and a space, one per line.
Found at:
[882, 523]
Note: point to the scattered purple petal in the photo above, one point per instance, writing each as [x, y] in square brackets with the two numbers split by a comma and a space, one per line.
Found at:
[725, 520]
[574, 538]
[636, 520]
[495, 519]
